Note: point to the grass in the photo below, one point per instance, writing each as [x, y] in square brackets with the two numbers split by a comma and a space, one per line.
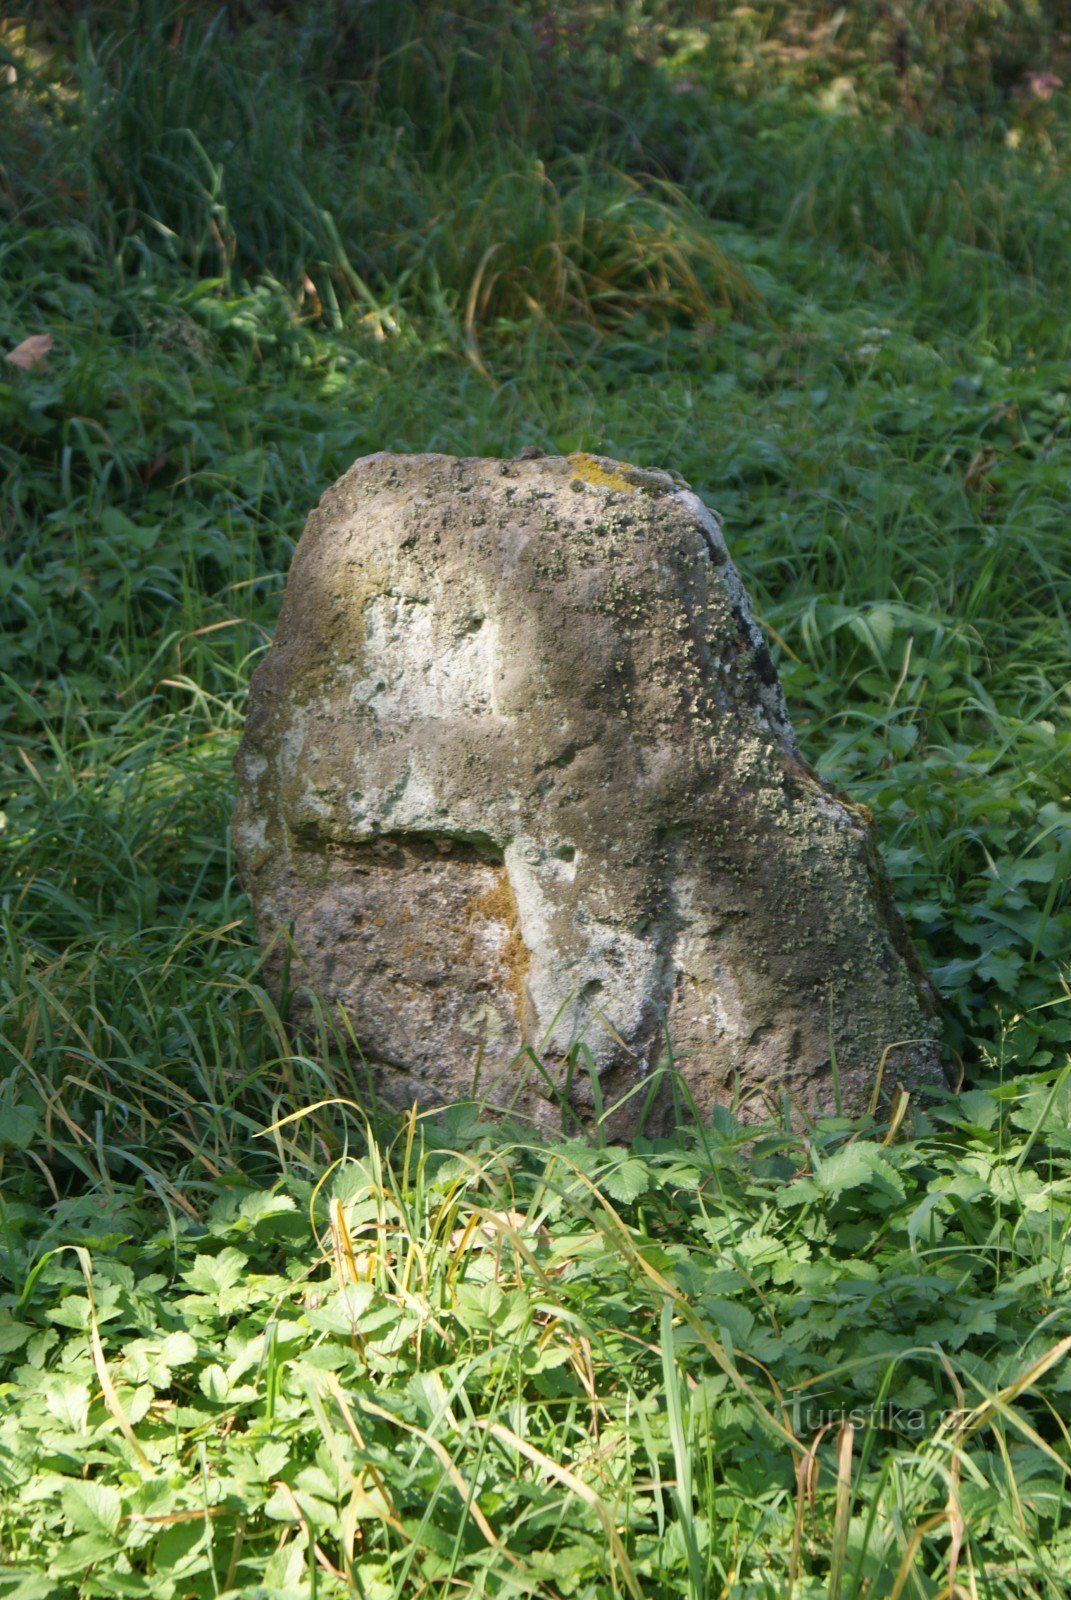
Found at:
[254, 1340]
[458, 1361]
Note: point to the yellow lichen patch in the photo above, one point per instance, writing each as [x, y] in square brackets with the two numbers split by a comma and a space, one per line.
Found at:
[498, 904]
[589, 469]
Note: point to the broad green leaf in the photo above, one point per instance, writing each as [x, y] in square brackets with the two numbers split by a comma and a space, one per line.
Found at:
[855, 1165]
[68, 1401]
[74, 1556]
[924, 1219]
[92, 1507]
[213, 1383]
[176, 1550]
[179, 1349]
[260, 1207]
[627, 1181]
[478, 1304]
[1001, 968]
[547, 1358]
[73, 1311]
[734, 1318]
[26, 1585]
[344, 1311]
[138, 1403]
[213, 1274]
[19, 1126]
[271, 1457]
[283, 1507]
[13, 1335]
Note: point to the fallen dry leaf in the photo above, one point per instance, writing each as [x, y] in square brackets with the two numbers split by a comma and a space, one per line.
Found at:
[496, 1225]
[30, 351]
[977, 478]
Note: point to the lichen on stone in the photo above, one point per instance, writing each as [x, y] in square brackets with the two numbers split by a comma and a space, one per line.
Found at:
[598, 472]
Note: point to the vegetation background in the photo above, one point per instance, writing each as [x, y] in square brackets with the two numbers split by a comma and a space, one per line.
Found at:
[256, 1339]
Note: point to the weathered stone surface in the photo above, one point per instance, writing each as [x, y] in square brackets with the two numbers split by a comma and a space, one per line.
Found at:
[518, 772]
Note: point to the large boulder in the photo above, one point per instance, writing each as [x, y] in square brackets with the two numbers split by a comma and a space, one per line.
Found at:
[519, 792]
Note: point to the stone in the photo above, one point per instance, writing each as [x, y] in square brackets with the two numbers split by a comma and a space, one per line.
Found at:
[519, 789]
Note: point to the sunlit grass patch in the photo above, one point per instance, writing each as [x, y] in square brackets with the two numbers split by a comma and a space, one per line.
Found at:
[448, 1356]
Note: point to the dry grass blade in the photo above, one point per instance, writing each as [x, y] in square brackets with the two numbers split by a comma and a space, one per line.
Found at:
[914, 1544]
[111, 1399]
[1000, 1404]
[682, 1457]
[842, 1511]
[347, 1268]
[441, 1455]
[625, 1243]
[806, 1491]
[957, 1527]
[320, 1557]
[583, 1491]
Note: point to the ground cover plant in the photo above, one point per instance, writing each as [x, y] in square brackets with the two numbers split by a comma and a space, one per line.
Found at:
[255, 1338]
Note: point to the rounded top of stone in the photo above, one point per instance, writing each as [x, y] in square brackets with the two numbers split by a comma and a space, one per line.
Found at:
[581, 469]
